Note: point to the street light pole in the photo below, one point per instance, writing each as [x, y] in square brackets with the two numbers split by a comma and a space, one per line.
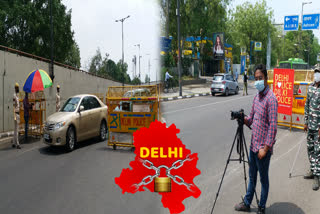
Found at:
[122, 20]
[149, 65]
[303, 3]
[179, 47]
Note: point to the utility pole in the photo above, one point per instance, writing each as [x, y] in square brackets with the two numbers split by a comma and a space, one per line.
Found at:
[138, 45]
[122, 20]
[168, 19]
[51, 70]
[179, 47]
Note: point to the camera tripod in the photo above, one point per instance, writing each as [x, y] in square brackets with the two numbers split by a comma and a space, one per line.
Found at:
[242, 151]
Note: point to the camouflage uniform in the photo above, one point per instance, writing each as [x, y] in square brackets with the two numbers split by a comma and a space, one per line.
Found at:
[312, 119]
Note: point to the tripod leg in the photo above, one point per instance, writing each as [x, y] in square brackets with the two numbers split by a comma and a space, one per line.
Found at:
[246, 149]
[294, 162]
[244, 172]
[224, 172]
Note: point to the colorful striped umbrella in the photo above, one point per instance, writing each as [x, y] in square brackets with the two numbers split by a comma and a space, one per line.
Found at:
[37, 80]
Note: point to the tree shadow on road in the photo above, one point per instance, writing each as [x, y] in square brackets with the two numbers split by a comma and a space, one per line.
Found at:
[284, 208]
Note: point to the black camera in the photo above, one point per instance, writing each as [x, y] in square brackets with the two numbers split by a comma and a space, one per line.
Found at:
[237, 115]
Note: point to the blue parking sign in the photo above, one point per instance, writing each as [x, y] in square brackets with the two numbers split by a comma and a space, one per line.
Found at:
[291, 22]
[310, 22]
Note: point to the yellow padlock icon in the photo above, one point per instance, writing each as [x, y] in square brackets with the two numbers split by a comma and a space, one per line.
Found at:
[162, 184]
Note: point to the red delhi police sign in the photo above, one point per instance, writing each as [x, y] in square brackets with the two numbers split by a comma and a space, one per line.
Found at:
[283, 84]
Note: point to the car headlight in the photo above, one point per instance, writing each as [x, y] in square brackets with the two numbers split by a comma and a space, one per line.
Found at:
[59, 125]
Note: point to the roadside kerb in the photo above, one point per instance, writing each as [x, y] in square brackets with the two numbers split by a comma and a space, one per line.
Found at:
[184, 97]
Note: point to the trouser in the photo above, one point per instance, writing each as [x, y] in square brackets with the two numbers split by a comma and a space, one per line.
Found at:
[255, 165]
[26, 126]
[313, 147]
[16, 130]
[245, 88]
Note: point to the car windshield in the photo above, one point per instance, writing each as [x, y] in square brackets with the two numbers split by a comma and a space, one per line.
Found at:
[71, 104]
[218, 77]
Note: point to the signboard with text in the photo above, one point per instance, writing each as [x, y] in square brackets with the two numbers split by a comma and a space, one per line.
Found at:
[310, 22]
[283, 84]
[291, 23]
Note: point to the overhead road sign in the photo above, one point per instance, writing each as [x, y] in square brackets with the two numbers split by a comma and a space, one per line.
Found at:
[291, 22]
[310, 22]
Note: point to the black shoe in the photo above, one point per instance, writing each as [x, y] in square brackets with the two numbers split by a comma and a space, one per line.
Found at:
[261, 210]
[242, 207]
[308, 175]
[13, 146]
[18, 147]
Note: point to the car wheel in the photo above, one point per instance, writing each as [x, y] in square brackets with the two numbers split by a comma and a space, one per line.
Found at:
[227, 92]
[103, 130]
[237, 90]
[71, 139]
[212, 93]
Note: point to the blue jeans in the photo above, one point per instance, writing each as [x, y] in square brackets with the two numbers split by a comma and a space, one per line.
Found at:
[255, 165]
[26, 126]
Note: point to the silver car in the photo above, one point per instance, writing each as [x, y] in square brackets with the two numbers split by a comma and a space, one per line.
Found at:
[224, 83]
[81, 117]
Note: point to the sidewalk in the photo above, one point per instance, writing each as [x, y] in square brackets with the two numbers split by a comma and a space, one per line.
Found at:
[287, 195]
[189, 91]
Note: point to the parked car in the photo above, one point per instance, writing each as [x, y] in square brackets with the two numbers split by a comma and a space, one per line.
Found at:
[224, 83]
[81, 117]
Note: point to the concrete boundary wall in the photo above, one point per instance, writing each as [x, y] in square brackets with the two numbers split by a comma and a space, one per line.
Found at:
[15, 68]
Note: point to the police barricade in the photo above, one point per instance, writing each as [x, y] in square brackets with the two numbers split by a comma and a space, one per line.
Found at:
[296, 120]
[302, 80]
[37, 114]
[129, 109]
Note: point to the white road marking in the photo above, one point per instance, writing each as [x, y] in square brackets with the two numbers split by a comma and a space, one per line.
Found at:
[204, 105]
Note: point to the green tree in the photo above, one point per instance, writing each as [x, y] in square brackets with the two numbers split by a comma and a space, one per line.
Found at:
[147, 79]
[198, 18]
[251, 22]
[307, 49]
[136, 81]
[105, 67]
[25, 25]
[96, 63]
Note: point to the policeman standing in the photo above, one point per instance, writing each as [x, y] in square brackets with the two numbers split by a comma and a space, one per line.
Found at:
[312, 119]
[58, 98]
[16, 110]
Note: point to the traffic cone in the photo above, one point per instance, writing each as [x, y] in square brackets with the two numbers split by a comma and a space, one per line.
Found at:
[298, 119]
[284, 117]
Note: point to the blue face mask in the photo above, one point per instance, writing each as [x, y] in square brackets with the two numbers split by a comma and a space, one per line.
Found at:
[259, 85]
